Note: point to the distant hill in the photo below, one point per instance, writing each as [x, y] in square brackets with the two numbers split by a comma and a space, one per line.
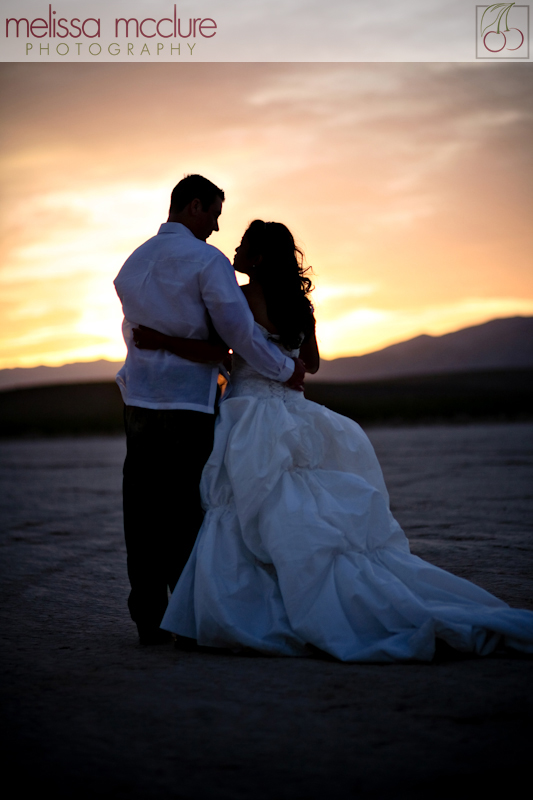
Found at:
[82, 372]
[501, 344]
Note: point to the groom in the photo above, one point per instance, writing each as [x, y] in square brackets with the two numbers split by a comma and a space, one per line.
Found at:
[174, 283]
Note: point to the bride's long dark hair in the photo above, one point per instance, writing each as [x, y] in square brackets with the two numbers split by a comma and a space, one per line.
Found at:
[282, 277]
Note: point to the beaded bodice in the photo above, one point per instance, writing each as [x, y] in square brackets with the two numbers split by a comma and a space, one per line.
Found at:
[245, 381]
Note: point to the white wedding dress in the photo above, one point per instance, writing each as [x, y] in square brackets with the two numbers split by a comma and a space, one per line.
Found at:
[298, 546]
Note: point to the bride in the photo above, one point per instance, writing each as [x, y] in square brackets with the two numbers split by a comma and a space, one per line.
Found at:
[298, 549]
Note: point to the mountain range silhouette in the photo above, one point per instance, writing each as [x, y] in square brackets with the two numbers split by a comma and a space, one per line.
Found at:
[498, 344]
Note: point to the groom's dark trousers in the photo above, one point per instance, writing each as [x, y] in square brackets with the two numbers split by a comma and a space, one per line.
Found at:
[166, 452]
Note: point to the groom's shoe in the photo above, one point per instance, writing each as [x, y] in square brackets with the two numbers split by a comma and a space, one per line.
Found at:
[150, 636]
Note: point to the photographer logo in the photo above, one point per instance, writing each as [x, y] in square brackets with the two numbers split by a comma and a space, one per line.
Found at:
[502, 31]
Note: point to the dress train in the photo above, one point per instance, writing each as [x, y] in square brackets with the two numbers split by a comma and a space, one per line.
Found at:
[298, 546]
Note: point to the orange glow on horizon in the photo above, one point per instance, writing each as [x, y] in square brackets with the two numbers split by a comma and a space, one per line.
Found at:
[408, 186]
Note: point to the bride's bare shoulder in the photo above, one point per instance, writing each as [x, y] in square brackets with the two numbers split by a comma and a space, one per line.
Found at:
[252, 289]
[256, 300]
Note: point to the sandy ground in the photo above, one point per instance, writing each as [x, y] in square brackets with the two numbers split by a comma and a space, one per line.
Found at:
[89, 713]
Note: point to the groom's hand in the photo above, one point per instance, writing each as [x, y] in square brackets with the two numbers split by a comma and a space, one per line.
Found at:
[296, 381]
[147, 338]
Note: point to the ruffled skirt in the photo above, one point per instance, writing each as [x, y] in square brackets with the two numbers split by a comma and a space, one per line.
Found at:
[298, 547]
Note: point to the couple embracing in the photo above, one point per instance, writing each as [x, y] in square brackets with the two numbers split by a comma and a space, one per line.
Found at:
[297, 549]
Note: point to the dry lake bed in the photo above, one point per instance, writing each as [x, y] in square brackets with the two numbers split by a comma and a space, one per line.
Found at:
[87, 712]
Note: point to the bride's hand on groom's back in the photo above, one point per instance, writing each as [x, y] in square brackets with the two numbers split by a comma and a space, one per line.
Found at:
[296, 381]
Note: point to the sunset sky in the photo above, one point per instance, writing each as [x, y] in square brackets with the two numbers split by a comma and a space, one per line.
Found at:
[409, 187]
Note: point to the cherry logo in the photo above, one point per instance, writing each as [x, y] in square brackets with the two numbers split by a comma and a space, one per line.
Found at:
[495, 30]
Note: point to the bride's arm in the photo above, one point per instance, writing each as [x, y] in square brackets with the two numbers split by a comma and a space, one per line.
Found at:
[309, 354]
[192, 349]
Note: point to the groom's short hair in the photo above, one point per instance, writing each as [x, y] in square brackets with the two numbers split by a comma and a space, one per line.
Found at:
[194, 187]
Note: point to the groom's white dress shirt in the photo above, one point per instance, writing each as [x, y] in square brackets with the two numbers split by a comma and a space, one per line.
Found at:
[171, 283]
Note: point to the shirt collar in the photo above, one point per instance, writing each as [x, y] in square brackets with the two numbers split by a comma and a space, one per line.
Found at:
[175, 227]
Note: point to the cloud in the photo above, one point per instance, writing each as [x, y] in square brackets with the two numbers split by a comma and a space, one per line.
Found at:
[413, 179]
[366, 328]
